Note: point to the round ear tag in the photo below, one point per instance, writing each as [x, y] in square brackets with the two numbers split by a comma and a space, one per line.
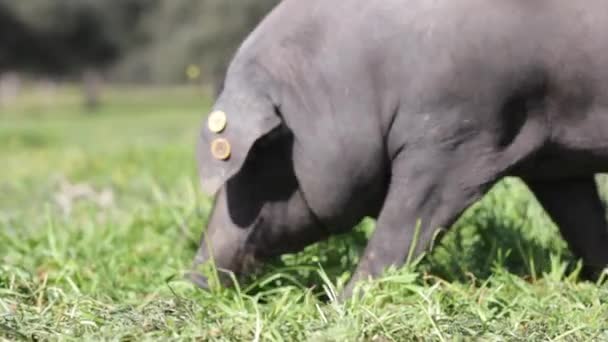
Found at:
[217, 121]
[220, 149]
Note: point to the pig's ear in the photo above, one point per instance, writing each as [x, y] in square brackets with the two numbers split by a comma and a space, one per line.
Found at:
[226, 139]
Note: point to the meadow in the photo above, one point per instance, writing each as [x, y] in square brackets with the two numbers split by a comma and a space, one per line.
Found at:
[101, 213]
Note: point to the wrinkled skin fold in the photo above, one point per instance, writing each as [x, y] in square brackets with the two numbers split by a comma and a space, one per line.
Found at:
[406, 112]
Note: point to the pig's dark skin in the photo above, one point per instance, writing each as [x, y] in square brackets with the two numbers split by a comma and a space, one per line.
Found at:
[407, 110]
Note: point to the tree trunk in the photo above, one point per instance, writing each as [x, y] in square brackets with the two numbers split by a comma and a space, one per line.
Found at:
[92, 89]
[10, 87]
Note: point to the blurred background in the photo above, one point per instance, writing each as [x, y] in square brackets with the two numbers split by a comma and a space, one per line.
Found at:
[100, 106]
[142, 42]
[85, 81]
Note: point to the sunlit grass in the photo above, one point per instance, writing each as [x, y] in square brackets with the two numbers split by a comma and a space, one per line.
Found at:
[100, 214]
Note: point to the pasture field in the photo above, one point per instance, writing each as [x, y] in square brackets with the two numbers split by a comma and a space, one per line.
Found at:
[100, 214]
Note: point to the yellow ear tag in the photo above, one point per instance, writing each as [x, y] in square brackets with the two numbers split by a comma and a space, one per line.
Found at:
[220, 149]
[217, 121]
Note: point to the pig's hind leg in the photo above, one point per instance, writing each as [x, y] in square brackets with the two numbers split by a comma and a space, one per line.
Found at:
[576, 208]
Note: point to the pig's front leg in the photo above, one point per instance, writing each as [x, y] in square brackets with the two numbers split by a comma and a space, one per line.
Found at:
[428, 188]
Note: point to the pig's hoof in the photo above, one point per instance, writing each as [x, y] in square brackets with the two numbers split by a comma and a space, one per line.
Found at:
[198, 280]
[593, 273]
[348, 293]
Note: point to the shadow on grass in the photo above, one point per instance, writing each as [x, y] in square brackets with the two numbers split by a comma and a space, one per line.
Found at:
[473, 250]
[507, 229]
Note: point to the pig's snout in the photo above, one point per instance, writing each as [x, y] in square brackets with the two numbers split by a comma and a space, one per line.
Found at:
[225, 246]
[198, 280]
[228, 268]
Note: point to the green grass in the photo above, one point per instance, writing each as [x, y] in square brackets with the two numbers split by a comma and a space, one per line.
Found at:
[107, 265]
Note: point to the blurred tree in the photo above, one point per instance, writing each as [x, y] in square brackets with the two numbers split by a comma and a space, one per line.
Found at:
[22, 48]
[180, 33]
[87, 35]
[127, 40]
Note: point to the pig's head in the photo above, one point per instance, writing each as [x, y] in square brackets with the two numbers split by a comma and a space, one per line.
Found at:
[283, 166]
[245, 161]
